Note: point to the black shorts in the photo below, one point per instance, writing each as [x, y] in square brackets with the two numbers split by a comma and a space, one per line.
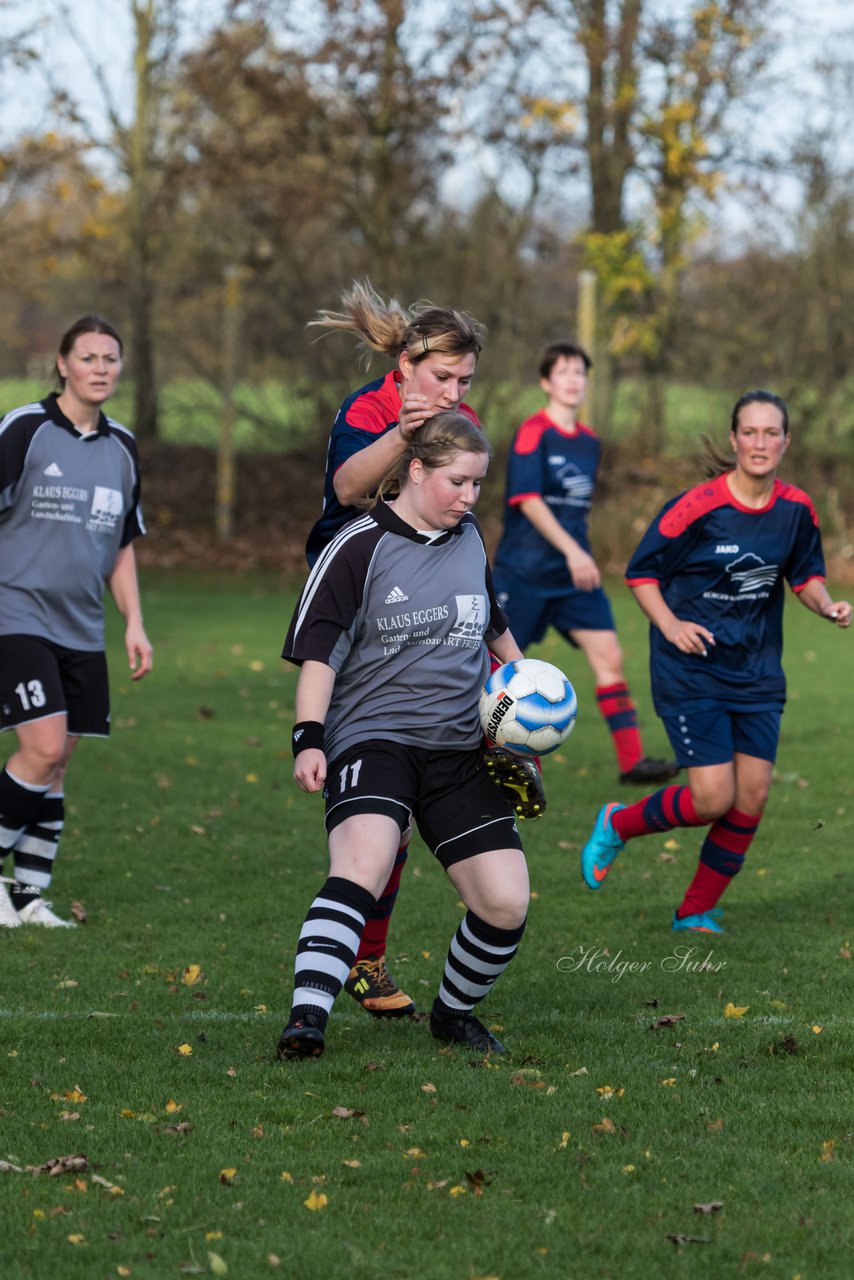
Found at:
[459, 810]
[39, 679]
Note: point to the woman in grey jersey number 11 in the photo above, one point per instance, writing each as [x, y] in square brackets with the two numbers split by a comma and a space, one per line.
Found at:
[391, 635]
[69, 514]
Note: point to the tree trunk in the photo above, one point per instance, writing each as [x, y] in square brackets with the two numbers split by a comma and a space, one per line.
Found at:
[139, 168]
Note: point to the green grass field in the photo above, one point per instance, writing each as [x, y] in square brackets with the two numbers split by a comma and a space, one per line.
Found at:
[273, 416]
[598, 1148]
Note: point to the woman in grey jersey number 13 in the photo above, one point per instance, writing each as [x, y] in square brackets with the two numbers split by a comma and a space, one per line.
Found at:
[69, 514]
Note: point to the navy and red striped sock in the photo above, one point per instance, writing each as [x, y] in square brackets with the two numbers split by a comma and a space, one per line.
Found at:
[721, 857]
[662, 811]
[620, 715]
[375, 934]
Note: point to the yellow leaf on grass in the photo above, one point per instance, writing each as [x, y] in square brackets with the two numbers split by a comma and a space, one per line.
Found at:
[75, 1094]
[185, 1050]
[213, 1235]
[191, 975]
[464, 1142]
[227, 1176]
[817, 1030]
[287, 1177]
[317, 1200]
[607, 1126]
[124, 1271]
[352, 1164]
[77, 1238]
[457, 1191]
[428, 1088]
[172, 1106]
[671, 1080]
[218, 1265]
[608, 1091]
[414, 1153]
[564, 1139]
[628, 1168]
[252, 777]
[735, 1010]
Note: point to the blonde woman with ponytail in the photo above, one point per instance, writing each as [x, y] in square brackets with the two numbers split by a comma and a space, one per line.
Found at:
[434, 351]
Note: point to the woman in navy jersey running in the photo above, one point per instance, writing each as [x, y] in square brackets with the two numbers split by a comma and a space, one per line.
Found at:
[709, 574]
[435, 352]
[69, 512]
[545, 573]
[390, 634]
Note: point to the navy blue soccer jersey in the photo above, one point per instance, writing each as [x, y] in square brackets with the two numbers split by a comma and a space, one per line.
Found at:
[363, 417]
[546, 461]
[723, 565]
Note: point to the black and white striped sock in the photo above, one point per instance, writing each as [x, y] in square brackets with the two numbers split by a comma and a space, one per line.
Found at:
[19, 803]
[478, 955]
[327, 946]
[36, 848]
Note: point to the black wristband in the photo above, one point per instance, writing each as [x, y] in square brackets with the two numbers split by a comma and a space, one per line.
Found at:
[306, 735]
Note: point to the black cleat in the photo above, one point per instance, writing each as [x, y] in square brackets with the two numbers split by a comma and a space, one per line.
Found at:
[647, 770]
[302, 1038]
[520, 780]
[465, 1029]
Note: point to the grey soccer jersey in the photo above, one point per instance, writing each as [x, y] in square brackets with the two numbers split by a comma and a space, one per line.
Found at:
[68, 503]
[402, 620]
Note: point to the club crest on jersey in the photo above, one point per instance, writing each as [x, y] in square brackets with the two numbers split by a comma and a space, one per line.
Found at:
[467, 631]
[751, 573]
[106, 509]
[575, 482]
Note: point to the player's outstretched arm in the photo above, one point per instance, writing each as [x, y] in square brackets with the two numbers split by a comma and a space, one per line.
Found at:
[689, 637]
[816, 596]
[124, 588]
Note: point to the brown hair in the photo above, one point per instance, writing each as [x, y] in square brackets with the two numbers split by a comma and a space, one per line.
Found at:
[716, 462]
[555, 350]
[434, 445]
[86, 324]
[387, 327]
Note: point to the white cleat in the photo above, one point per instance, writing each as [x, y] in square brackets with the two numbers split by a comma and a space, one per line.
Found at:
[39, 912]
[9, 918]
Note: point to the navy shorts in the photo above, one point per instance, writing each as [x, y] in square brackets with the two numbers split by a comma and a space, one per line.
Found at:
[530, 613]
[39, 679]
[459, 810]
[712, 735]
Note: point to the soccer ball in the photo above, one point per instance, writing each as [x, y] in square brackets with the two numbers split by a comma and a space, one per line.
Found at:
[528, 707]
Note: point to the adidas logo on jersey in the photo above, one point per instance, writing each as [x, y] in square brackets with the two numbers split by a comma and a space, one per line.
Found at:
[396, 596]
[52, 470]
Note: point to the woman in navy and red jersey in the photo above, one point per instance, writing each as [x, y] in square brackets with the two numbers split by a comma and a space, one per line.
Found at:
[435, 350]
[709, 574]
[545, 573]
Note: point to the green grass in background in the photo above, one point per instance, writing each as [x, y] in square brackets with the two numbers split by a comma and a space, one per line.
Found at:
[582, 1154]
[274, 416]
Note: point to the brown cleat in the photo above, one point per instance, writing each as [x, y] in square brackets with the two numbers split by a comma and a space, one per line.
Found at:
[372, 986]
